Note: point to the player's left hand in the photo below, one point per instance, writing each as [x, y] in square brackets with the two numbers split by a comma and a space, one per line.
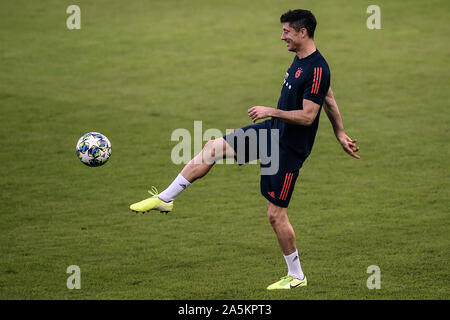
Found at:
[349, 145]
[259, 112]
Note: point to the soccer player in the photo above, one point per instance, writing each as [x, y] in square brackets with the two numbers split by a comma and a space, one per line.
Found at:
[305, 90]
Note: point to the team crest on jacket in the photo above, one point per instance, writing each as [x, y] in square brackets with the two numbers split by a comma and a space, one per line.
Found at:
[298, 73]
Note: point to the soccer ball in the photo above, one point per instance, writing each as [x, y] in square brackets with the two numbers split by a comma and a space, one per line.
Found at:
[93, 149]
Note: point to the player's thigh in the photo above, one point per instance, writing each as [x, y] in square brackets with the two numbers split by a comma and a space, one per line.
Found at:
[278, 188]
[245, 141]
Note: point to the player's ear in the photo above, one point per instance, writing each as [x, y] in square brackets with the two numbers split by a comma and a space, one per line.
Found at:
[303, 33]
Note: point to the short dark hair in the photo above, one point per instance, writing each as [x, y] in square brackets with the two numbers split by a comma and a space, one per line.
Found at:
[300, 19]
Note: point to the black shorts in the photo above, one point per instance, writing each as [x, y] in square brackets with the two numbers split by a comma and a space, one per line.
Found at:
[277, 179]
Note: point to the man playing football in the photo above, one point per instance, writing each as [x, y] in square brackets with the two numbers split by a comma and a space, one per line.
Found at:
[305, 90]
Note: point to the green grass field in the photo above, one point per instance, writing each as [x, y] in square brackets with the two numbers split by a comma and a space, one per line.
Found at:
[138, 70]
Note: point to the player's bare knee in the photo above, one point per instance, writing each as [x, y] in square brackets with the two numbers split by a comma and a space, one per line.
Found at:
[208, 153]
[272, 217]
[214, 149]
[275, 213]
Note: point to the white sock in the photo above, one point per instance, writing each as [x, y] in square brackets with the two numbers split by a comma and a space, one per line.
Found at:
[294, 267]
[175, 188]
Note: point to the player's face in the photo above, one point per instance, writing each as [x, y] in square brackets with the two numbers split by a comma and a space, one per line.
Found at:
[291, 37]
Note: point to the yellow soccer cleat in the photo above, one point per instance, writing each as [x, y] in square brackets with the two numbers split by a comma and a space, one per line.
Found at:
[288, 282]
[152, 203]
